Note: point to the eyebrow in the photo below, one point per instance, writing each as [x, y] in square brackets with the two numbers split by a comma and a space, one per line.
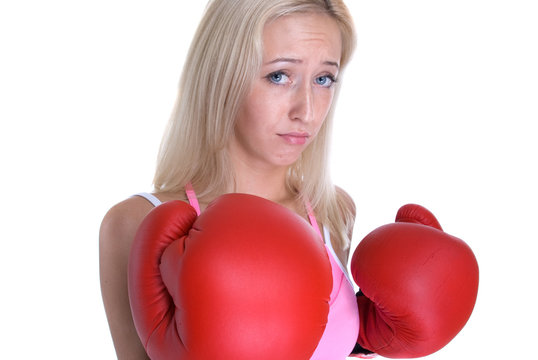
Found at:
[297, 61]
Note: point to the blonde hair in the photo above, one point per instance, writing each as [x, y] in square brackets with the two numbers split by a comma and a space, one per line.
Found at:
[224, 57]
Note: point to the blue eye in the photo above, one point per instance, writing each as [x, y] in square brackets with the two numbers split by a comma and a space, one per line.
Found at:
[278, 77]
[326, 80]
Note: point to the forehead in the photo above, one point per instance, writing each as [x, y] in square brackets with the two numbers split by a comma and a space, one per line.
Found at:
[302, 33]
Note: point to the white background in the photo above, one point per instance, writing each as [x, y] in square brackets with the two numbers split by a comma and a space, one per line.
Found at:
[437, 109]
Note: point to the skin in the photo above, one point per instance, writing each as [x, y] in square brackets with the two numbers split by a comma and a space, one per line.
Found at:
[281, 115]
[291, 96]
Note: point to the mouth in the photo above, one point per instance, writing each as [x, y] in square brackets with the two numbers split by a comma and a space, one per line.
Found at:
[295, 138]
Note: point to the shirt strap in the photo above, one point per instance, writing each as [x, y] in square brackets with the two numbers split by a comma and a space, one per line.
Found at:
[150, 197]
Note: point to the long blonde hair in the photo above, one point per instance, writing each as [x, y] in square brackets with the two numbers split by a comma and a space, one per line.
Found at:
[224, 58]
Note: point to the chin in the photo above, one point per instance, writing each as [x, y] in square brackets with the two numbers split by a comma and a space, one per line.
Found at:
[287, 160]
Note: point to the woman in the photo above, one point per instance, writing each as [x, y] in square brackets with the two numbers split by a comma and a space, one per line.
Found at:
[253, 115]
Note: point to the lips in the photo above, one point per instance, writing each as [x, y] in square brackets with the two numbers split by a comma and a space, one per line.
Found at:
[295, 138]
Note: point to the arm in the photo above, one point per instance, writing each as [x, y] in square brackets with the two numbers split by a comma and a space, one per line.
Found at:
[115, 237]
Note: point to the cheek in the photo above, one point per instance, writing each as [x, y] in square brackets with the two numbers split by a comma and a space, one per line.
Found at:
[260, 111]
[251, 121]
[323, 105]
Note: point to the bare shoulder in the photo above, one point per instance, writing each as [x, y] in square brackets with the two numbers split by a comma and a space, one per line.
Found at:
[121, 222]
[116, 235]
[123, 219]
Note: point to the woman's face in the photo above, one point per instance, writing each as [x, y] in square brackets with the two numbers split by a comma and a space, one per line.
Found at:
[291, 96]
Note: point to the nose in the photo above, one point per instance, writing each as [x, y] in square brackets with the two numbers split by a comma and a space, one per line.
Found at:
[302, 103]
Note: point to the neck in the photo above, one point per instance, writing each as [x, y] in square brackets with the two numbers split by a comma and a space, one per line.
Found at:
[263, 181]
[267, 184]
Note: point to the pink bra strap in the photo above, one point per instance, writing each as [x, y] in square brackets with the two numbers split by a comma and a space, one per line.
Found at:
[312, 218]
[193, 200]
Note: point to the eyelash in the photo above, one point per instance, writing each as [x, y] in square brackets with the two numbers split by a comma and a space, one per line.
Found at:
[270, 78]
[331, 78]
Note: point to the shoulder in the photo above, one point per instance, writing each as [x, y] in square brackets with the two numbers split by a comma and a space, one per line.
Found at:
[123, 219]
[125, 216]
[121, 222]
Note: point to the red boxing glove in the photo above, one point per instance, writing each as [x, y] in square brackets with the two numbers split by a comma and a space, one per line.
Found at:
[247, 279]
[418, 285]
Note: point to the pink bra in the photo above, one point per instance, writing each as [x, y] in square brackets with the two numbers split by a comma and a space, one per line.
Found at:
[342, 329]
